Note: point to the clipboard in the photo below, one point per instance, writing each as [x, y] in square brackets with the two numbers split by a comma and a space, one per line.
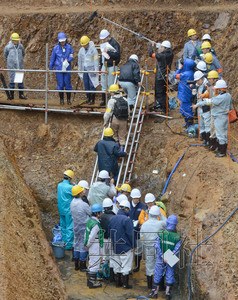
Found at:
[18, 77]
[170, 258]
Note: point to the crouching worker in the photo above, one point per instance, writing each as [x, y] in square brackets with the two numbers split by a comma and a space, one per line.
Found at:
[80, 212]
[220, 104]
[94, 242]
[121, 231]
[168, 239]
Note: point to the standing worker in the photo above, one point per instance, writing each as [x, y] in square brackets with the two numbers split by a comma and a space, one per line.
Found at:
[80, 212]
[110, 58]
[60, 60]
[164, 57]
[117, 114]
[108, 152]
[88, 61]
[14, 53]
[64, 198]
[191, 47]
[130, 79]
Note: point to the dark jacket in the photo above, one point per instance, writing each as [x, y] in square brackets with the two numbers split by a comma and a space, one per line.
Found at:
[105, 220]
[114, 56]
[108, 152]
[121, 232]
[135, 211]
[160, 63]
[130, 71]
[169, 57]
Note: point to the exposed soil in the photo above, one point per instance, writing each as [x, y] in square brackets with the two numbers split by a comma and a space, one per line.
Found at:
[34, 155]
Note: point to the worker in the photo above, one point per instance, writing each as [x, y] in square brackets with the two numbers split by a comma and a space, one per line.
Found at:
[108, 152]
[144, 214]
[162, 207]
[212, 77]
[14, 53]
[88, 60]
[135, 210]
[85, 185]
[102, 189]
[110, 58]
[149, 232]
[190, 47]
[168, 239]
[125, 189]
[204, 113]
[105, 220]
[118, 200]
[207, 48]
[164, 57]
[60, 60]
[221, 103]
[212, 63]
[117, 113]
[121, 232]
[184, 75]
[64, 198]
[93, 240]
[130, 79]
[80, 212]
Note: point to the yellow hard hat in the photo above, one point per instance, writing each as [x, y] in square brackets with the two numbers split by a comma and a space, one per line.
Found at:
[213, 74]
[208, 58]
[108, 132]
[69, 173]
[125, 187]
[206, 45]
[84, 40]
[77, 189]
[161, 204]
[114, 88]
[191, 32]
[15, 36]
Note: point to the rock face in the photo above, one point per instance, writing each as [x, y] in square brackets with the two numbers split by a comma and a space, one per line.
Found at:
[27, 268]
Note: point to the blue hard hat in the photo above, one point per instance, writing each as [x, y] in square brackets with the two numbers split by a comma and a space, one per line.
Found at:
[172, 220]
[62, 37]
[96, 208]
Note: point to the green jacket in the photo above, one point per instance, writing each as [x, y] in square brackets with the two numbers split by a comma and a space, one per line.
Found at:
[168, 240]
[89, 226]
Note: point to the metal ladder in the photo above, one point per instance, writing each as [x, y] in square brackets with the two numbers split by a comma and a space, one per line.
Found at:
[132, 141]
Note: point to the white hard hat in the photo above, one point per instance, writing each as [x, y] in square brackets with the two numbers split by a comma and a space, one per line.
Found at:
[220, 84]
[154, 210]
[202, 66]
[166, 44]
[135, 193]
[104, 34]
[84, 184]
[103, 174]
[134, 56]
[149, 198]
[107, 202]
[206, 37]
[125, 203]
[121, 198]
[198, 75]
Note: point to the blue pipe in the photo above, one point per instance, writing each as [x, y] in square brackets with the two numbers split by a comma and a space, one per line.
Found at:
[175, 167]
[232, 156]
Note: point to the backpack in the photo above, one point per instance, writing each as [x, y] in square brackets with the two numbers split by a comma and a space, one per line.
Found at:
[120, 110]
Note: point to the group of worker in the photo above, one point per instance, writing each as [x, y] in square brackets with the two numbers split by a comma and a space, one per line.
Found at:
[108, 226]
[202, 89]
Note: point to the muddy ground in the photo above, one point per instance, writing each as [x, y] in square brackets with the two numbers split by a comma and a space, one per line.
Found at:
[34, 155]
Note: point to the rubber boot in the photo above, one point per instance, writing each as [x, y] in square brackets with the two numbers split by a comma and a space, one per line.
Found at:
[103, 102]
[11, 93]
[203, 136]
[168, 292]
[111, 278]
[149, 281]
[131, 110]
[118, 277]
[207, 139]
[61, 95]
[88, 98]
[137, 263]
[92, 98]
[162, 286]
[76, 264]
[214, 144]
[125, 282]
[22, 96]
[221, 150]
[68, 98]
[92, 282]
[154, 293]
[82, 266]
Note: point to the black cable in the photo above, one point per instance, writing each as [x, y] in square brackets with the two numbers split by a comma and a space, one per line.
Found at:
[198, 245]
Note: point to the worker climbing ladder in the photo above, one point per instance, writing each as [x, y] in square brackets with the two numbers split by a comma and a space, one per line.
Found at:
[132, 141]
